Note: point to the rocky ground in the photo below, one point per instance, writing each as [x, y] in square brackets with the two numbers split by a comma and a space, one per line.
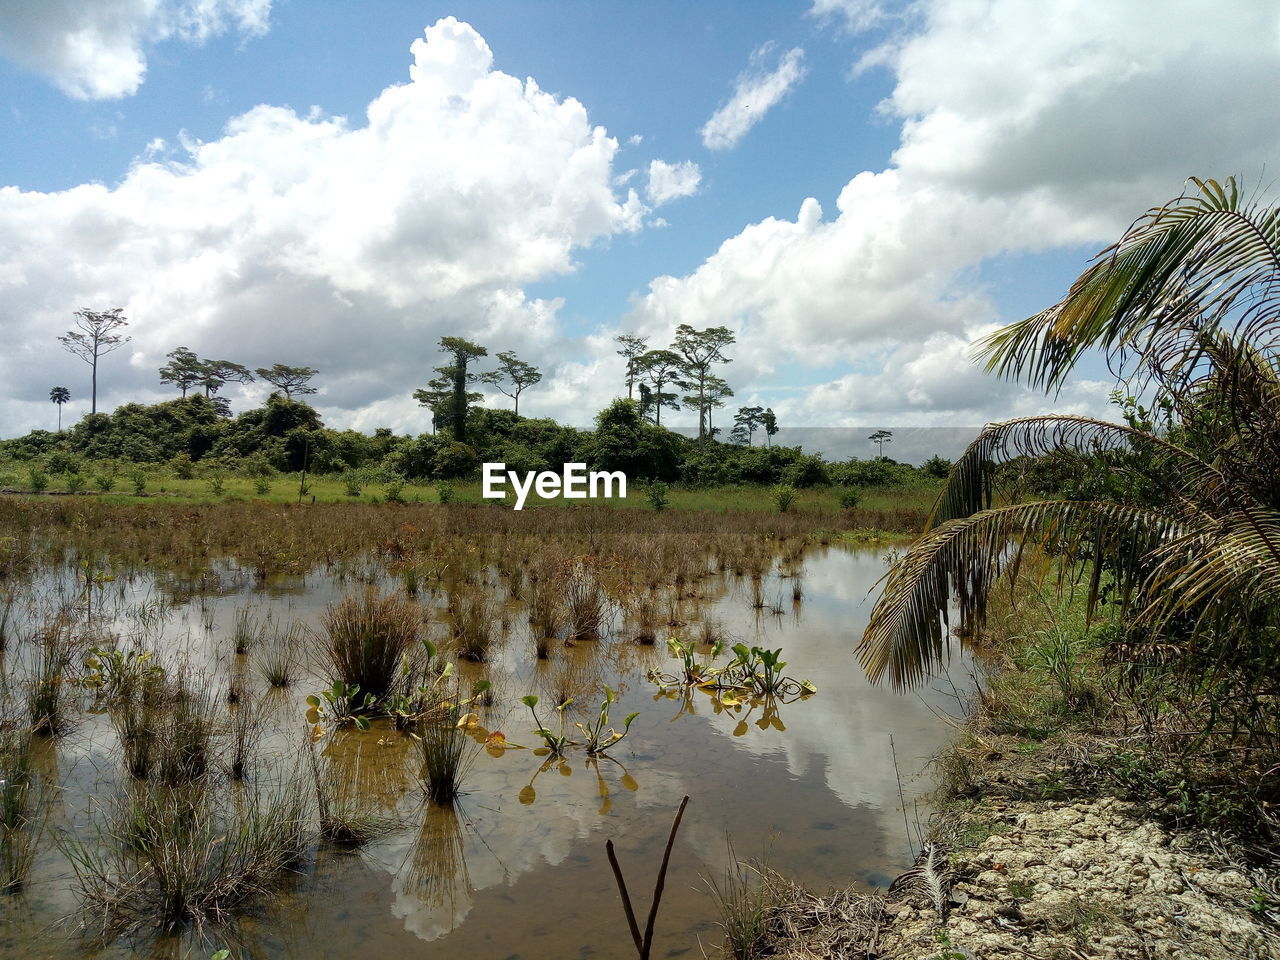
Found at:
[1062, 881]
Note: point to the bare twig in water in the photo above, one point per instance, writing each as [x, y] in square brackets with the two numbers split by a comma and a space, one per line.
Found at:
[645, 944]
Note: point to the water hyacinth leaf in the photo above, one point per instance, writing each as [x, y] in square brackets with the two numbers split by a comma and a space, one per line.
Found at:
[528, 795]
[629, 782]
[530, 700]
[313, 715]
[741, 728]
[627, 722]
[362, 723]
[807, 687]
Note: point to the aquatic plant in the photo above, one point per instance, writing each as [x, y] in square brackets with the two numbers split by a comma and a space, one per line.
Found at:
[186, 862]
[370, 642]
[447, 748]
[555, 742]
[20, 824]
[599, 735]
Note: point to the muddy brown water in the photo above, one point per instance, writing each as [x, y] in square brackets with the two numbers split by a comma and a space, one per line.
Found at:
[813, 789]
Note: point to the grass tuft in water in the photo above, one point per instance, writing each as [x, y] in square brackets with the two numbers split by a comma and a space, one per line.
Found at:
[369, 640]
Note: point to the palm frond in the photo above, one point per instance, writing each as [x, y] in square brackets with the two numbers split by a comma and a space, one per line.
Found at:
[963, 557]
[1200, 263]
[970, 484]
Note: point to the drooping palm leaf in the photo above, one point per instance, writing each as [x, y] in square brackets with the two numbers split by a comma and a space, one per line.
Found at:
[1201, 263]
[963, 557]
[970, 485]
[1191, 532]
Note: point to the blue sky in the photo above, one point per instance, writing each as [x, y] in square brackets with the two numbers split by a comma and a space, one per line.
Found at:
[859, 189]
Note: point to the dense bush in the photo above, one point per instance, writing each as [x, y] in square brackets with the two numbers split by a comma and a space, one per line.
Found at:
[286, 436]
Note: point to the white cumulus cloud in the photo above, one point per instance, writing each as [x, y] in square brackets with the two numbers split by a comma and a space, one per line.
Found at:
[309, 239]
[1024, 128]
[97, 49]
[757, 90]
[670, 181]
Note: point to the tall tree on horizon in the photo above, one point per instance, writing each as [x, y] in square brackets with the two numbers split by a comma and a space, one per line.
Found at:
[747, 420]
[659, 368]
[289, 379]
[700, 349]
[92, 338]
[769, 420]
[59, 395]
[216, 374]
[512, 368]
[183, 370]
[633, 347]
[880, 438]
[463, 352]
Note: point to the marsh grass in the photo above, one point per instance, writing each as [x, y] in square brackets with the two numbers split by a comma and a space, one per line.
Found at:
[47, 693]
[246, 725]
[473, 613]
[371, 641]
[21, 820]
[448, 752]
[247, 630]
[746, 895]
[185, 736]
[346, 815]
[176, 859]
[277, 659]
[584, 602]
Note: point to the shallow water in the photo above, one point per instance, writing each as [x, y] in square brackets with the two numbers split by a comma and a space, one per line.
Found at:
[513, 872]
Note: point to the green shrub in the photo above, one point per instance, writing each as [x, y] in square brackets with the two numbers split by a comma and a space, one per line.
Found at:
[183, 467]
[75, 482]
[445, 492]
[784, 497]
[657, 495]
[37, 479]
[850, 498]
[139, 478]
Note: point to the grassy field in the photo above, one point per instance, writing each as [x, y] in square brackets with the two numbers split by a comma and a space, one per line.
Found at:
[131, 485]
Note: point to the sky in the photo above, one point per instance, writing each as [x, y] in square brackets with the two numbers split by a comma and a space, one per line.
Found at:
[858, 189]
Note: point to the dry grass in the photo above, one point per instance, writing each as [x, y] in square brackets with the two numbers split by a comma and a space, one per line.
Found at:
[368, 639]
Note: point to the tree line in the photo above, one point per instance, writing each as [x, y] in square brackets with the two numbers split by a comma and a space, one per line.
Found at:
[96, 333]
[288, 434]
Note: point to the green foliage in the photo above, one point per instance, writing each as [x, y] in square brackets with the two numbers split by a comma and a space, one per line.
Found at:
[599, 735]
[783, 497]
[556, 742]
[445, 493]
[849, 499]
[183, 467]
[624, 441]
[657, 495]
[37, 479]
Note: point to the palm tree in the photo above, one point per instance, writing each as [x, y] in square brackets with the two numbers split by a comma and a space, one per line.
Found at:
[1182, 523]
[59, 395]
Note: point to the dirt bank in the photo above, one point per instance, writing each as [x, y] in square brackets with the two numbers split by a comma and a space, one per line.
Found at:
[1051, 881]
